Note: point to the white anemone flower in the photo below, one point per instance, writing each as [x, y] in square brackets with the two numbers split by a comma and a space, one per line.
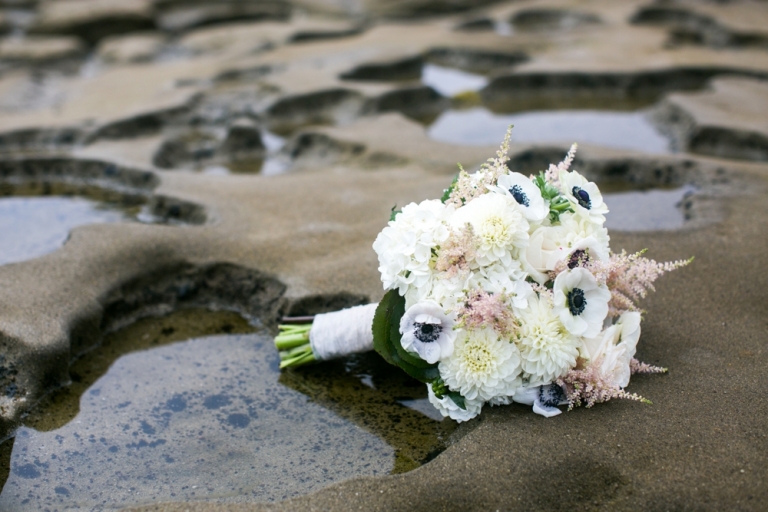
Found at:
[615, 347]
[482, 366]
[526, 194]
[580, 302]
[499, 226]
[544, 399]
[427, 331]
[584, 195]
[547, 348]
[448, 408]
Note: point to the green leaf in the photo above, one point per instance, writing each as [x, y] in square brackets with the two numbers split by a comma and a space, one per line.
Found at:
[447, 191]
[382, 320]
[393, 213]
[457, 399]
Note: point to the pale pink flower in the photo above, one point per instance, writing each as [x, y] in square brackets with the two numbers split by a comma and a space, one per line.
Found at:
[483, 309]
[589, 386]
[456, 252]
[629, 277]
[636, 366]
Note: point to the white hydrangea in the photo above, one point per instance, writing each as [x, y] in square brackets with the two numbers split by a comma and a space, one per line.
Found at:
[497, 279]
[482, 365]
[499, 226]
[547, 349]
[448, 408]
[405, 246]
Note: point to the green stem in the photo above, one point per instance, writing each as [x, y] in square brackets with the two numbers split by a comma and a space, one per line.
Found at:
[293, 345]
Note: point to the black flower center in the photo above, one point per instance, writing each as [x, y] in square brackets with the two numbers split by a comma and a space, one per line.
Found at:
[551, 395]
[579, 257]
[576, 301]
[427, 333]
[519, 195]
[582, 196]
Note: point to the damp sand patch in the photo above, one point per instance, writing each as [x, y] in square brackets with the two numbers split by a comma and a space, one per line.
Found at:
[211, 419]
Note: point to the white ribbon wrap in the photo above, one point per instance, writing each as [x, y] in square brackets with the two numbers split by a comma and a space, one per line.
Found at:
[341, 333]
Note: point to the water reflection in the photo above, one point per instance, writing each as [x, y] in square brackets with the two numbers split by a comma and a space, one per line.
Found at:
[479, 126]
[212, 419]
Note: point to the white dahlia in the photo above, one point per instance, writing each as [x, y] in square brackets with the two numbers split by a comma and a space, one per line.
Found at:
[526, 194]
[448, 408]
[547, 348]
[482, 366]
[584, 195]
[427, 331]
[499, 226]
[580, 302]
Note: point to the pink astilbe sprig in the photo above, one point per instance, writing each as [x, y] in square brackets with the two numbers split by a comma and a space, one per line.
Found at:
[588, 387]
[553, 173]
[456, 253]
[482, 309]
[630, 277]
[636, 366]
[471, 186]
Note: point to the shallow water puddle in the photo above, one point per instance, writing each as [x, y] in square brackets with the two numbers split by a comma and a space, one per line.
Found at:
[480, 127]
[36, 218]
[646, 210]
[449, 81]
[212, 419]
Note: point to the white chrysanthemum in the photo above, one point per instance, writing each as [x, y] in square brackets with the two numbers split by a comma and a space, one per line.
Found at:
[427, 331]
[615, 346]
[449, 409]
[525, 193]
[584, 195]
[497, 279]
[405, 246]
[499, 226]
[482, 365]
[580, 302]
[547, 348]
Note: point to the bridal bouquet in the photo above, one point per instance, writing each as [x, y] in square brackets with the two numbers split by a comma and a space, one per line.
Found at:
[503, 290]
